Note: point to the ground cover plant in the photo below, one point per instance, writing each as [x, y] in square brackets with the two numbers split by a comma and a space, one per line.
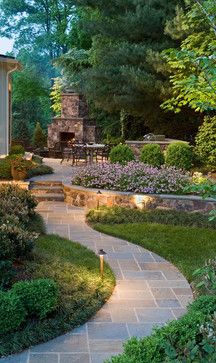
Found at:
[187, 247]
[133, 177]
[48, 284]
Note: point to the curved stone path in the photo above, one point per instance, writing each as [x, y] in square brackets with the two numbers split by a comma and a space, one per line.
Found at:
[149, 291]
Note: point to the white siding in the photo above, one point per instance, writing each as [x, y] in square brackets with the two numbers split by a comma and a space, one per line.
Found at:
[3, 110]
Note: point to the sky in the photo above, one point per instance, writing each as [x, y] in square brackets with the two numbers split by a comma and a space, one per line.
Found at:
[6, 45]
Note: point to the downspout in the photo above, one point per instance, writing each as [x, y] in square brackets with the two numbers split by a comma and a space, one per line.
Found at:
[7, 111]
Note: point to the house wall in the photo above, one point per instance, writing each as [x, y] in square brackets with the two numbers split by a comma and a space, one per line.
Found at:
[4, 109]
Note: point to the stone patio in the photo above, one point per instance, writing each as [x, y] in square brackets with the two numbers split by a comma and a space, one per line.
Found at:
[149, 291]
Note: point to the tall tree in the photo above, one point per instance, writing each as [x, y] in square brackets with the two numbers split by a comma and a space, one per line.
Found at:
[45, 24]
[118, 73]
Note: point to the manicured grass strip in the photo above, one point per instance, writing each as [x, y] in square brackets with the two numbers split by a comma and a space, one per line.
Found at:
[76, 270]
[187, 248]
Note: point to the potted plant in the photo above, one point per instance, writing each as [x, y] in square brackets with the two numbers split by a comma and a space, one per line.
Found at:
[20, 168]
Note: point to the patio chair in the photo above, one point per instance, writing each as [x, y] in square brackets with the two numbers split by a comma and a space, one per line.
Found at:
[103, 154]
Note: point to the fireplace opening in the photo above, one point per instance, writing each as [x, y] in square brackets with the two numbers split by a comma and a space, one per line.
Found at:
[66, 136]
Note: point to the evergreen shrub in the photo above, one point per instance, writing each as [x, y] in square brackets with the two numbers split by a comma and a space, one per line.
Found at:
[39, 139]
[12, 312]
[39, 297]
[5, 169]
[7, 273]
[151, 154]
[206, 142]
[17, 150]
[180, 155]
[15, 242]
[121, 154]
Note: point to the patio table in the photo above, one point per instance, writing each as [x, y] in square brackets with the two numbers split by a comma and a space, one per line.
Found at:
[90, 148]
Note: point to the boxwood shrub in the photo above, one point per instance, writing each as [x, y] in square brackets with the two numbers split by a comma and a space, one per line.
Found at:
[190, 339]
[39, 297]
[121, 154]
[151, 154]
[180, 155]
[12, 312]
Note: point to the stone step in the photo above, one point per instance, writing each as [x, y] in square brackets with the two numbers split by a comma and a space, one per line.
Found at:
[50, 197]
[37, 189]
[48, 183]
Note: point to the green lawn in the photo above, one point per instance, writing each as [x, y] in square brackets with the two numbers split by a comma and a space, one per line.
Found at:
[76, 270]
[186, 247]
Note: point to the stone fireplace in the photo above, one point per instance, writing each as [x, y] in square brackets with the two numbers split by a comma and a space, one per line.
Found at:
[73, 123]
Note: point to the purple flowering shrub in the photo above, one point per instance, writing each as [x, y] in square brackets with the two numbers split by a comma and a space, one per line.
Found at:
[134, 177]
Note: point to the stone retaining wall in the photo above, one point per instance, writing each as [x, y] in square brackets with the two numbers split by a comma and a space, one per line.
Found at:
[21, 184]
[89, 198]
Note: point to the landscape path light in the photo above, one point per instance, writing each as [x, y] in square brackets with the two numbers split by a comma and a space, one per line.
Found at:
[101, 253]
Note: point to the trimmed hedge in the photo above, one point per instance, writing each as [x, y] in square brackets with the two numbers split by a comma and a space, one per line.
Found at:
[190, 339]
[180, 155]
[121, 154]
[151, 154]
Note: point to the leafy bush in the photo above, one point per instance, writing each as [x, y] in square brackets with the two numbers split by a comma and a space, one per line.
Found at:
[40, 170]
[16, 202]
[6, 273]
[17, 150]
[5, 169]
[121, 154]
[189, 339]
[133, 177]
[12, 312]
[39, 297]
[205, 278]
[119, 215]
[180, 155]
[15, 242]
[151, 154]
[205, 142]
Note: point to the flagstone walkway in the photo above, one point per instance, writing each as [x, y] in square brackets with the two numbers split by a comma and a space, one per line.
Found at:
[149, 291]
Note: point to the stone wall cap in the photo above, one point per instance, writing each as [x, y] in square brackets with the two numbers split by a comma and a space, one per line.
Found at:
[166, 141]
[116, 192]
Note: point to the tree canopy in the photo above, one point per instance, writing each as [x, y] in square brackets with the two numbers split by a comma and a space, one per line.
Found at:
[193, 65]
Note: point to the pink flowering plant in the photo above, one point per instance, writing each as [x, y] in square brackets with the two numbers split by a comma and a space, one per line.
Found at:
[134, 177]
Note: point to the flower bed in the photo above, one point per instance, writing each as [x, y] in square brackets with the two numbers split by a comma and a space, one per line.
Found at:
[134, 177]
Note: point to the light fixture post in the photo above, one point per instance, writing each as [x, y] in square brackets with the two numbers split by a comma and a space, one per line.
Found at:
[98, 198]
[102, 253]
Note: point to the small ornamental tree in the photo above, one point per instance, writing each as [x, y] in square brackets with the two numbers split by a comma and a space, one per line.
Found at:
[39, 137]
[206, 142]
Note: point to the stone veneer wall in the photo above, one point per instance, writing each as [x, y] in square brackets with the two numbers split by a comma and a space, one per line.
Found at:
[83, 197]
[21, 184]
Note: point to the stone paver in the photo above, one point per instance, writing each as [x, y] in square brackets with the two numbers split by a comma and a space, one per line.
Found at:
[149, 291]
